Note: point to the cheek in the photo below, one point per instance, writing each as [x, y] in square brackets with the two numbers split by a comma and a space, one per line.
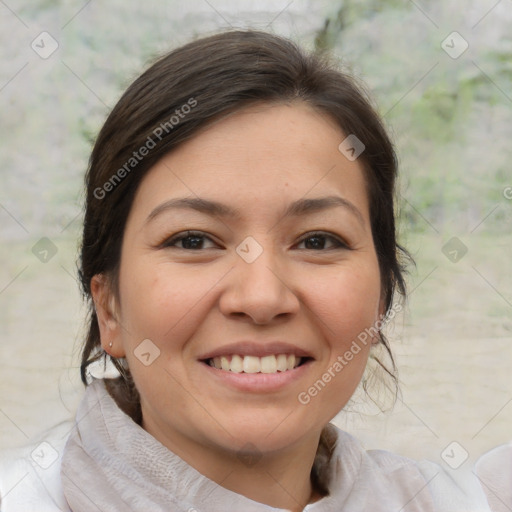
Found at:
[347, 303]
[162, 304]
[347, 307]
[164, 307]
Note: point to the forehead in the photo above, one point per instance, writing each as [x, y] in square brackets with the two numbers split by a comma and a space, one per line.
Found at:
[263, 155]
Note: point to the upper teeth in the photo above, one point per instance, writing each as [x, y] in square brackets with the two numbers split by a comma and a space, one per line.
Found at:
[253, 364]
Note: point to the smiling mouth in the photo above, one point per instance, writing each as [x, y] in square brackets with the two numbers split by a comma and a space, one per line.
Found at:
[253, 364]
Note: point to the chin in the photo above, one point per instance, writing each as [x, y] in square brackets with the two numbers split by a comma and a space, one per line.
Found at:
[264, 432]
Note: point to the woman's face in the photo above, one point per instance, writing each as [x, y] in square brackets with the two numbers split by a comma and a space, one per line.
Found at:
[248, 248]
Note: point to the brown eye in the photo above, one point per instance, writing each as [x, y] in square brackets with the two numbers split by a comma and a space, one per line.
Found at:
[189, 240]
[318, 241]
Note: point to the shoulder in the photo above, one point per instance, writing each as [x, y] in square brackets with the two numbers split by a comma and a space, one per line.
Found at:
[406, 483]
[446, 488]
[30, 475]
[494, 469]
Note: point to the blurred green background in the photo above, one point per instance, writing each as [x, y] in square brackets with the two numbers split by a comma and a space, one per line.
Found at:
[447, 107]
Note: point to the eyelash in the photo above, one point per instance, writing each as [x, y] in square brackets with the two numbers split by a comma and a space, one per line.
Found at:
[170, 242]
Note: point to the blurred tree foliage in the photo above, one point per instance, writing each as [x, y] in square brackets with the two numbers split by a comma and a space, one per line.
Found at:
[349, 12]
[451, 119]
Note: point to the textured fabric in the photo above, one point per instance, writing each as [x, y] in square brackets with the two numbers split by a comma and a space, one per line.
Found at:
[112, 464]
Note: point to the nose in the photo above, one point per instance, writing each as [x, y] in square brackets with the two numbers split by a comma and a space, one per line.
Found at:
[260, 291]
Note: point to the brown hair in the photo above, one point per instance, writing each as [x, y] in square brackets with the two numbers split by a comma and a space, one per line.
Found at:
[218, 75]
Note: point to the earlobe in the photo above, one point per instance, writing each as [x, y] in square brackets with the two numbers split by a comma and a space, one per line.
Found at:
[105, 306]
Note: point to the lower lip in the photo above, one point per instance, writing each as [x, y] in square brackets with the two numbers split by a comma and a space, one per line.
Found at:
[257, 382]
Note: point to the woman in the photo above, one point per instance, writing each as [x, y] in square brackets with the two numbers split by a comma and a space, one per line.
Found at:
[239, 254]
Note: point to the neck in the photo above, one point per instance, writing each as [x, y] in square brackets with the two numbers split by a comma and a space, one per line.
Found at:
[280, 479]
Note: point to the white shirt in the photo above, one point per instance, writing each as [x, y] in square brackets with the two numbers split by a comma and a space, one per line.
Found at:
[494, 469]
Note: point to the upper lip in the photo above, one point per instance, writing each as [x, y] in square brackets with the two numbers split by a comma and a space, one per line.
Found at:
[255, 348]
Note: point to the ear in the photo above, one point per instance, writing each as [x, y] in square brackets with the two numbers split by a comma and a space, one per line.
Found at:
[106, 308]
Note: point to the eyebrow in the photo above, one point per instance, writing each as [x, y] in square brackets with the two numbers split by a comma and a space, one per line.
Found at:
[215, 209]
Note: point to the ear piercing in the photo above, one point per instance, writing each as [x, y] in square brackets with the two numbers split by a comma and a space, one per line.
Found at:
[110, 344]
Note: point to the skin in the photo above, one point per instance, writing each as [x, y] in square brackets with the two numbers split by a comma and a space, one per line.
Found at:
[190, 301]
